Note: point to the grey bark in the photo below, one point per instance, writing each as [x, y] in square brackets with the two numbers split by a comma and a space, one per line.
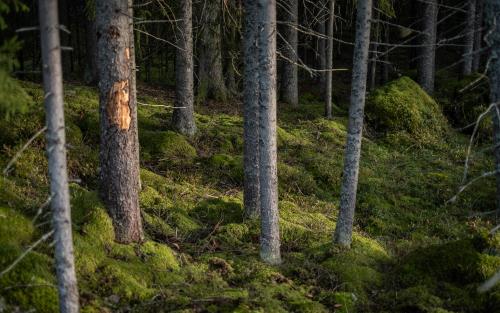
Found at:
[183, 115]
[212, 84]
[289, 81]
[492, 12]
[478, 35]
[427, 60]
[119, 150]
[270, 236]
[251, 191]
[56, 151]
[469, 38]
[343, 230]
[90, 71]
[329, 60]
[322, 57]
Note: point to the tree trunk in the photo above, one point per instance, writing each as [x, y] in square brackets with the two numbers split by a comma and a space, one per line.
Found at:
[270, 236]
[492, 11]
[251, 190]
[90, 70]
[478, 35]
[119, 151]
[426, 63]
[385, 65]
[183, 118]
[343, 230]
[373, 68]
[322, 57]
[212, 84]
[329, 60]
[289, 83]
[56, 151]
[469, 38]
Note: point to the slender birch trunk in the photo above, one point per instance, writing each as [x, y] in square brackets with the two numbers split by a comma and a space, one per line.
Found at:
[183, 115]
[56, 151]
[289, 82]
[426, 63]
[469, 38]
[119, 150]
[251, 191]
[343, 230]
[270, 236]
[329, 60]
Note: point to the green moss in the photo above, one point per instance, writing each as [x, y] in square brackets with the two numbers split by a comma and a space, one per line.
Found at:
[14, 227]
[228, 166]
[15, 99]
[166, 147]
[402, 105]
[296, 179]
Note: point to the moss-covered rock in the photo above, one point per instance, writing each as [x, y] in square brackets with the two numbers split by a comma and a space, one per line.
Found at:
[402, 105]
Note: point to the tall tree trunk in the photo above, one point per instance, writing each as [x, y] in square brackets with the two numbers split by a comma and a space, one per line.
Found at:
[119, 151]
[322, 57]
[183, 118]
[251, 190]
[492, 11]
[329, 60]
[385, 65]
[289, 81]
[478, 35]
[427, 60]
[56, 151]
[343, 230]
[212, 84]
[270, 236]
[90, 70]
[469, 38]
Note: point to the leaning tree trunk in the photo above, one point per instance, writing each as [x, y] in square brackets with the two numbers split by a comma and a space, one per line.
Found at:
[251, 190]
[119, 150]
[289, 81]
[56, 151]
[270, 236]
[492, 11]
[183, 115]
[211, 84]
[329, 60]
[469, 38]
[478, 35]
[427, 60]
[343, 230]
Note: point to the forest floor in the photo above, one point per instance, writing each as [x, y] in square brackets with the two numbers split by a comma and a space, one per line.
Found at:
[413, 251]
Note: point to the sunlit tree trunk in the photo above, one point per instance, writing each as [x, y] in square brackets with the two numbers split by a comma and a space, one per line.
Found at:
[56, 151]
[183, 115]
[270, 236]
[427, 60]
[119, 150]
[343, 230]
[289, 81]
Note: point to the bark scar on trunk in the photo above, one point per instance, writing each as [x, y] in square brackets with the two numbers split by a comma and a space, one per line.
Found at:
[118, 107]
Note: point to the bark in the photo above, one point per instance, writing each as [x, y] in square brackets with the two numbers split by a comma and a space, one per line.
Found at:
[427, 60]
[56, 151]
[90, 71]
[212, 84]
[469, 38]
[289, 81]
[385, 65]
[251, 191]
[478, 35]
[119, 151]
[183, 118]
[492, 11]
[270, 236]
[329, 60]
[322, 57]
[343, 230]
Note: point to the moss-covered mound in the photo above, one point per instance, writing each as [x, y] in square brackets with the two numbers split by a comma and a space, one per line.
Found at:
[402, 105]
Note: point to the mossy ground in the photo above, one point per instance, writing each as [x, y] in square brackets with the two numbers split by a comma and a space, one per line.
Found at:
[412, 252]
